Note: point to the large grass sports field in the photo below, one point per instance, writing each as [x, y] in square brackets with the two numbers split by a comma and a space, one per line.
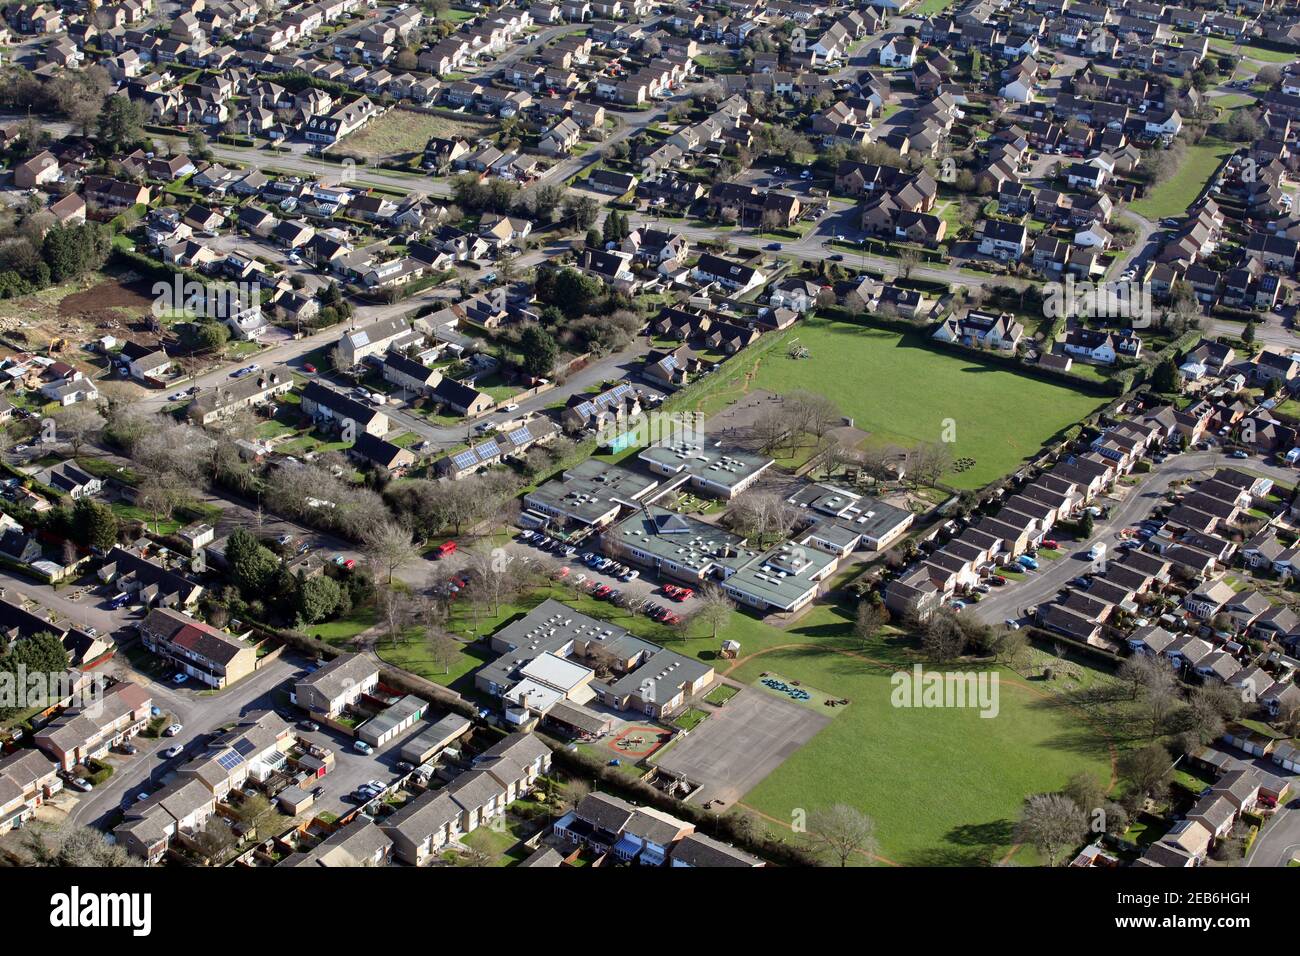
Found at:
[944, 786]
[901, 391]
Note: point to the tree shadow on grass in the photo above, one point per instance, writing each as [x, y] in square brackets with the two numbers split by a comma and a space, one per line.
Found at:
[968, 844]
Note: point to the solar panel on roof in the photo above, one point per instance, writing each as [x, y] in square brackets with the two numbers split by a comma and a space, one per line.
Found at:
[229, 760]
[244, 748]
[465, 459]
[520, 435]
[489, 449]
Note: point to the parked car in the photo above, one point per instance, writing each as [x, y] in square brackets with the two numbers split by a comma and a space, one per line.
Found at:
[310, 726]
[361, 747]
[173, 730]
[174, 751]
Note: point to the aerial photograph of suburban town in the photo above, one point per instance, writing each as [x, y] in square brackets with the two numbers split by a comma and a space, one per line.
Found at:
[776, 434]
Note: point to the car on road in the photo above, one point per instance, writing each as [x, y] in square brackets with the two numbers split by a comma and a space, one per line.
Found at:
[512, 407]
[361, 747]
[309, 368]
[176, 396]
[173, 729]
[1012, 623]
[246, 370]
[773, 246]
[1239, 454]
[181, 678]
[174, 751]
[310, 726]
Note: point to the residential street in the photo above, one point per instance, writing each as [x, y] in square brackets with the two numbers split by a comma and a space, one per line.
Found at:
[201, 713]
[1039, 586]
[1279, 842]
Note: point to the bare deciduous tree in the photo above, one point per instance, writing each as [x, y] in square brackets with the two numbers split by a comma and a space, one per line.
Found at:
[1052, 823]
[388, 547]
[761, 515]
[714, 608]
[841, 832]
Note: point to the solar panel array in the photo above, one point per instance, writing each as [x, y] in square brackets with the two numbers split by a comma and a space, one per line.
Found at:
[229, 760]
[520, 436]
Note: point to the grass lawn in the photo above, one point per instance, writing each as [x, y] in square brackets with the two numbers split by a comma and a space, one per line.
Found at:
[345, 628]
[402, 131]
[901, 391]
[721, 694]
[414, 656]
[127, 512]
[1257, 53]
[495, 387]
[690, 718]
[929, 8]
[1232, 100]
[1175, 194]
[943, 785]
[496, 843]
